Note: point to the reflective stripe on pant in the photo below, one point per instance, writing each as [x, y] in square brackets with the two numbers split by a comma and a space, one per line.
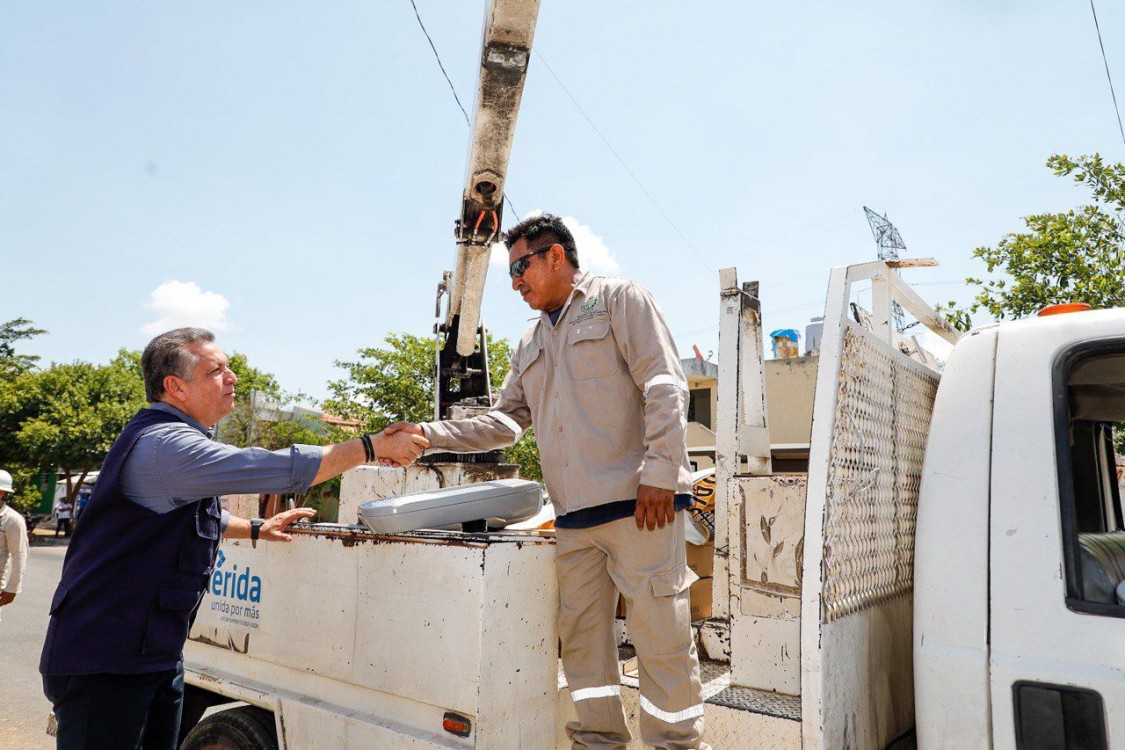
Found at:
[650, 570]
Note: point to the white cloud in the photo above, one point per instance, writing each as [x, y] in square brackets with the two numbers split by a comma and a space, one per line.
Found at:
[178, 303]
[593, 255]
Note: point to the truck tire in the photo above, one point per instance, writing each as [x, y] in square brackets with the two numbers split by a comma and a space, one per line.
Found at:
[243, 728]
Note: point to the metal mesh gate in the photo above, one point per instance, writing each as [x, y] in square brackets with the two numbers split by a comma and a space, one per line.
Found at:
[883, 405]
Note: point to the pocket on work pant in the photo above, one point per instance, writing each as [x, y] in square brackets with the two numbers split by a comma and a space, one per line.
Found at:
[665, 621]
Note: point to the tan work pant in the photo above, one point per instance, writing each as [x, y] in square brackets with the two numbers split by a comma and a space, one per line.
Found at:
[650, 570]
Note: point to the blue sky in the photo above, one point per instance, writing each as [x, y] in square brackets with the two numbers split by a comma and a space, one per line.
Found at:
[296, 167]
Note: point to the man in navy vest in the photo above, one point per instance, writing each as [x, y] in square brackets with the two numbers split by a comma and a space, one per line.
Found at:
[139, 562]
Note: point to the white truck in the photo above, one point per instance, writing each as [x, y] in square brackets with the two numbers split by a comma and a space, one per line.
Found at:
[947, 570]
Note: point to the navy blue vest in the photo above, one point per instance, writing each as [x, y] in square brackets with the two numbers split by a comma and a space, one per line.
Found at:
[132, 579]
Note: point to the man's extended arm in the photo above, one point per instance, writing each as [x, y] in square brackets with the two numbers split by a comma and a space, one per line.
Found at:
[181, 465]
[184, 465]
[499, 428]
[648, 349]
[334, 460]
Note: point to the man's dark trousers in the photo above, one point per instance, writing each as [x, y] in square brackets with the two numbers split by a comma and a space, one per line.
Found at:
[117, 711]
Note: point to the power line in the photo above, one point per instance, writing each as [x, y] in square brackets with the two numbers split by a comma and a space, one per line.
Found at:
[438, 58]
[1109, 78]
[692, 332]
[454, 91]
[622, 162]
[578, 107]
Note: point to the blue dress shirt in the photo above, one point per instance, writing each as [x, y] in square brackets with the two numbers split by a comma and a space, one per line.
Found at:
[178, 463]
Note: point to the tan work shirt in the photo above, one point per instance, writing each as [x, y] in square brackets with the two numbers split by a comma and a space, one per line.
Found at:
[13, 543]
[605, 393]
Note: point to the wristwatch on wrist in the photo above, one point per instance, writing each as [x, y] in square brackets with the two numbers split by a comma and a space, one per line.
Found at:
[255, 530]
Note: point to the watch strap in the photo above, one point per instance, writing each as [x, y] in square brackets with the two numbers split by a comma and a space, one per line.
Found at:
[255, 530]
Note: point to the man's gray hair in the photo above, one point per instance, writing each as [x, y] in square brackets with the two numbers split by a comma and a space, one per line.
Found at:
[168, 354]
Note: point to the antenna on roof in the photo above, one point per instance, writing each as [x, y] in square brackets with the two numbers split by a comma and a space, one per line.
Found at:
[889, 242]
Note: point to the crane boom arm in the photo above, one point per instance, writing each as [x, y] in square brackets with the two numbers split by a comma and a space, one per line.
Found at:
[508, 31]
[509, 27]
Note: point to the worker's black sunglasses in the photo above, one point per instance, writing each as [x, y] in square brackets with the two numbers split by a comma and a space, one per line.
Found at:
[520, 265]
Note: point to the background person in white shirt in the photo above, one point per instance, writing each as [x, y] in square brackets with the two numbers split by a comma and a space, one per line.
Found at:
[13, 544]
[62, 518]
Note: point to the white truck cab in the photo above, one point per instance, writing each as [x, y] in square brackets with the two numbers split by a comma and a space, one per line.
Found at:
[1020, 541]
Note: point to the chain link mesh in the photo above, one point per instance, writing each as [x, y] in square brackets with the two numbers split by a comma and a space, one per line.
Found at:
[884, 402]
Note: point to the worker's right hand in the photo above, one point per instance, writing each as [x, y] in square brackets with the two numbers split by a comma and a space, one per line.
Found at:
[6, 597]
[399, 447]
[413, 429]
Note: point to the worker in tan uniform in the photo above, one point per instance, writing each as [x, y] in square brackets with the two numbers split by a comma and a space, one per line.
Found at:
[598, 377]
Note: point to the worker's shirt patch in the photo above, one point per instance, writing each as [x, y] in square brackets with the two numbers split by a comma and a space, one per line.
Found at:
[589, 311]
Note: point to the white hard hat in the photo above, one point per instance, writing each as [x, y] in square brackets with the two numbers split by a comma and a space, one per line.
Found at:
[5, 481]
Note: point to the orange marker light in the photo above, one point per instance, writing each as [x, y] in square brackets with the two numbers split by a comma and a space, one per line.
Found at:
[1063, 308]
[456, 724]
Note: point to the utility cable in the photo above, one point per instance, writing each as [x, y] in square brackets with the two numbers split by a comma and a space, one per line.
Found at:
[438, 58]
[622, 162]
[453, 89]
[1109, 78]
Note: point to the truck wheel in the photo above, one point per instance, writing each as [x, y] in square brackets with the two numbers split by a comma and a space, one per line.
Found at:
[243, 728]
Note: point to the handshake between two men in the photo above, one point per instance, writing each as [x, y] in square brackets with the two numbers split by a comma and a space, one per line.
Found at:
[395, 447]
[408, 434]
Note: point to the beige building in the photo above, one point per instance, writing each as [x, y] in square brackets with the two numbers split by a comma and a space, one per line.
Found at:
[790, 384]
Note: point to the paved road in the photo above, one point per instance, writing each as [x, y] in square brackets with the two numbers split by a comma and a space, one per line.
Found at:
[23, 709]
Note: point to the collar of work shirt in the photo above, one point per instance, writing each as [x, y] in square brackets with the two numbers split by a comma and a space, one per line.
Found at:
[167, 408]
[582, 287]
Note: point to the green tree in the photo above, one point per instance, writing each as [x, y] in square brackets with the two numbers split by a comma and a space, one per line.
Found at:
[69, 415]
[12, 364]
[1074, 256]
[396, 382]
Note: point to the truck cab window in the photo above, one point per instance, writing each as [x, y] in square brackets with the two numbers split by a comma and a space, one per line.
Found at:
[1091, 440]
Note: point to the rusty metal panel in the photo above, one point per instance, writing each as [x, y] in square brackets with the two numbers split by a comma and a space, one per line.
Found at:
[390, 630]
[765, 632]
[773, 527]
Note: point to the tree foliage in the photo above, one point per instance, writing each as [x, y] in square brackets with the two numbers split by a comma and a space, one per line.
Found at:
[68, 415]
[396, 382]
[13, 364]
[1074, 256]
